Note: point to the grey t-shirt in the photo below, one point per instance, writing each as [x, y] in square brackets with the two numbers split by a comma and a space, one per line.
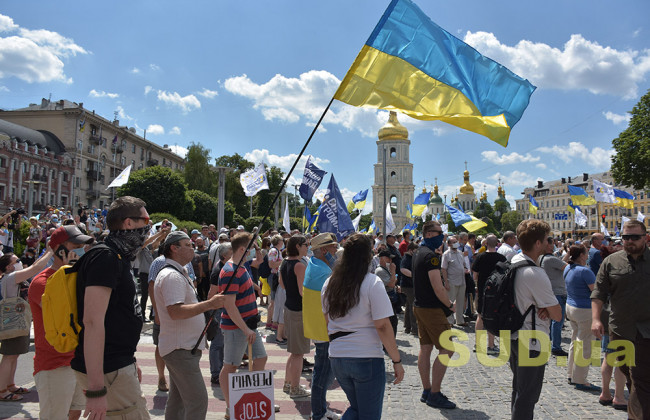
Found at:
[384, 276]
[554, 268]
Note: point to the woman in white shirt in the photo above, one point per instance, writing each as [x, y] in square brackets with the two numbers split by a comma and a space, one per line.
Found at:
[357, 310]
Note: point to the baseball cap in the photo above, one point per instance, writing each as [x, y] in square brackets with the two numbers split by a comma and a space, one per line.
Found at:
[195, 231]
[223, 236]
[240, 227]
[321, 240]
[174, 237]
[69, 233]
[223, 230]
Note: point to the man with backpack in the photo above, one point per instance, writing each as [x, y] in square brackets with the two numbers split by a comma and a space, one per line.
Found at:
[111, 327]
[55, 380]
[532, 287]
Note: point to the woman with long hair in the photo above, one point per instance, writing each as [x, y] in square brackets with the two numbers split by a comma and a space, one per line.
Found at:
[12, 275]
[357, 310]
[580, 282]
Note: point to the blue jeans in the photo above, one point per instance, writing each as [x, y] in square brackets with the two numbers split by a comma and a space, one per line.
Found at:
[321, 380]
[556, 326]
[216, 348]
[363, 380]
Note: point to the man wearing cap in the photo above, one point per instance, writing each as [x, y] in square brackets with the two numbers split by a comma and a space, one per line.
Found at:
[194, 235]
[315, 328]
[181, 323]
[55, 380]
[110, 329]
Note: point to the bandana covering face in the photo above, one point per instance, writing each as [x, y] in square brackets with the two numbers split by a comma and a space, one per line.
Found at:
[127, 242]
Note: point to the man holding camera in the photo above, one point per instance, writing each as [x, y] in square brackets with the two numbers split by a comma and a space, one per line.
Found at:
[240, 318]
[181, 322]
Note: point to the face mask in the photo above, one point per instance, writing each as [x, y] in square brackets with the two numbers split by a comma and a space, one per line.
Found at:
[18, 266]
[433, 243]
[128, 241]
[79, 251]
[455, 246]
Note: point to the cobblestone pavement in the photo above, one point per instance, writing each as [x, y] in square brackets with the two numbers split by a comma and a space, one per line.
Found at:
[480, 392]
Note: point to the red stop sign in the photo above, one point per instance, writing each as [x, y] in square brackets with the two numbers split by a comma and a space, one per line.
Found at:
[253, 406]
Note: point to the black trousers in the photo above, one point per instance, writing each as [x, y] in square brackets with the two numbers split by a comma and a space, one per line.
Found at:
[526, 384]
[638, 379]
[143, 278]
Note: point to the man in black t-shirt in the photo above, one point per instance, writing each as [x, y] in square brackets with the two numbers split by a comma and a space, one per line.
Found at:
[111, 327]
[432, 306]
[482, 267]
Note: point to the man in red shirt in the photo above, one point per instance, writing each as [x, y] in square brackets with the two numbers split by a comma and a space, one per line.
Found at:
[406, 239]
[55, 380]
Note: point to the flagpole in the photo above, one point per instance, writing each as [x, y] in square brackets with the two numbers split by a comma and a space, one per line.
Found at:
[383, 228]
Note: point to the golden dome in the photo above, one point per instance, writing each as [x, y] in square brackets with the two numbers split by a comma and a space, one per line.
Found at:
[467, 187]
[393, 130]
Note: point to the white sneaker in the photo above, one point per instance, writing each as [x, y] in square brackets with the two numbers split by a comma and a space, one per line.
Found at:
[329, 414]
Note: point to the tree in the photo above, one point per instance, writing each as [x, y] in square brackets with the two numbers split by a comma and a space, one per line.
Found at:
[162, 189]
[206, 207]
[502, 207]
[631, 164]
[511, 220]
[274, 176]
[198, 172]
[234, 191]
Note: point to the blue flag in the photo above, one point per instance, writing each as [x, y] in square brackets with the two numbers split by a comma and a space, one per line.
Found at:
[311, 179]
[457, 216]
[334, 216]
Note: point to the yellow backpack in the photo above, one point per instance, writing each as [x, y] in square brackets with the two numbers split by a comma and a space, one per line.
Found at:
[59, 303]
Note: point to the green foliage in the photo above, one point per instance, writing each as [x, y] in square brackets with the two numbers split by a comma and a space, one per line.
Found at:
[206, 207]
[20, 237]
[159, 217]
[189, 225]
[631, 163]
[228, 213]
[263, 199]
[510, 221]
[502, 207]
[161, 188]
[365, 221]
[234, 191]
[198, 173]
[254, 221]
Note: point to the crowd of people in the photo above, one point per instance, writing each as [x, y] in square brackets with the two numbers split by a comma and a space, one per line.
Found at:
[343, 295]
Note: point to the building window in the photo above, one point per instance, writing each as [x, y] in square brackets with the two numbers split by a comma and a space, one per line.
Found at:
[123, 160]
[164, 161]
[393, 204]
[132, 164]
[64, 200]
[133, 149]
[140, 166]
[80, 144]
[393, 153]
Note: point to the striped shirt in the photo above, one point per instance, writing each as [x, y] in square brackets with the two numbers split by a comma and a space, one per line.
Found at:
[242, 286]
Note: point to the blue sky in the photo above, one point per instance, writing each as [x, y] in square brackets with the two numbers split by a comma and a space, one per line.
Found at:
[252, 77]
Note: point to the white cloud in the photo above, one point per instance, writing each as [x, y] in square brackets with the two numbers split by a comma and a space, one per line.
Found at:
[596, 157]
[4, 89]
[185, 103]
[155, 129]
[175, 131]
[515, 179]
[135, 70]
[541, 166]
[154, 67]
[34, 55]
[283, 162]
[122, 114]
[101, 94]
[504, 159]
[617, 118]
[179, 150]
[580, 64]
[147, 89]
[207, 93]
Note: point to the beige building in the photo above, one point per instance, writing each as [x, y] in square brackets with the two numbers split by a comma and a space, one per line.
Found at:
[553, 199]
[101, 148]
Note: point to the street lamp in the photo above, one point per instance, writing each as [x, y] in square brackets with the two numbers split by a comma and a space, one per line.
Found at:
[29, 194]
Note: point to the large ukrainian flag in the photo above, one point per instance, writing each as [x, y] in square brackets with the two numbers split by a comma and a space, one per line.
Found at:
[412, 65]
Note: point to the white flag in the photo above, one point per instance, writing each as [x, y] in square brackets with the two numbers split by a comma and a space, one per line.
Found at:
[640, 217]
[122, 178]
[390, 225]
[603, 192]
[445, 228]
[623, 220]
[603, 230]
[355, 222]
[424, 213]
[580, 218]
[285, 220]
[254, 180]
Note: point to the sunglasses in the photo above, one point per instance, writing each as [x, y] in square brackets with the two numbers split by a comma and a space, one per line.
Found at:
[146, 219]
[632, 237]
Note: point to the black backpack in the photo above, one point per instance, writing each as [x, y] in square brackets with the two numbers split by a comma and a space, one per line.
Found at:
[264, 270]
[499, 309]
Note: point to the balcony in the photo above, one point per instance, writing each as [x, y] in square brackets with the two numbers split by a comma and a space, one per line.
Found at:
[92, 151]
[152, 162]
[92, 194]
[117, 149]
[94, 139]
[92, 173]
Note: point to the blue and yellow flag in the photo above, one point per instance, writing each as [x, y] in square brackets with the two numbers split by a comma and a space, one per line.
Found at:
[624, 199]
[410, 64]
[372, 227]
[360, 199]
[420, 203]
[409, 211]
[571, 207]
[458, 216]
[474, 224]
[532, 204]
[580, 197]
